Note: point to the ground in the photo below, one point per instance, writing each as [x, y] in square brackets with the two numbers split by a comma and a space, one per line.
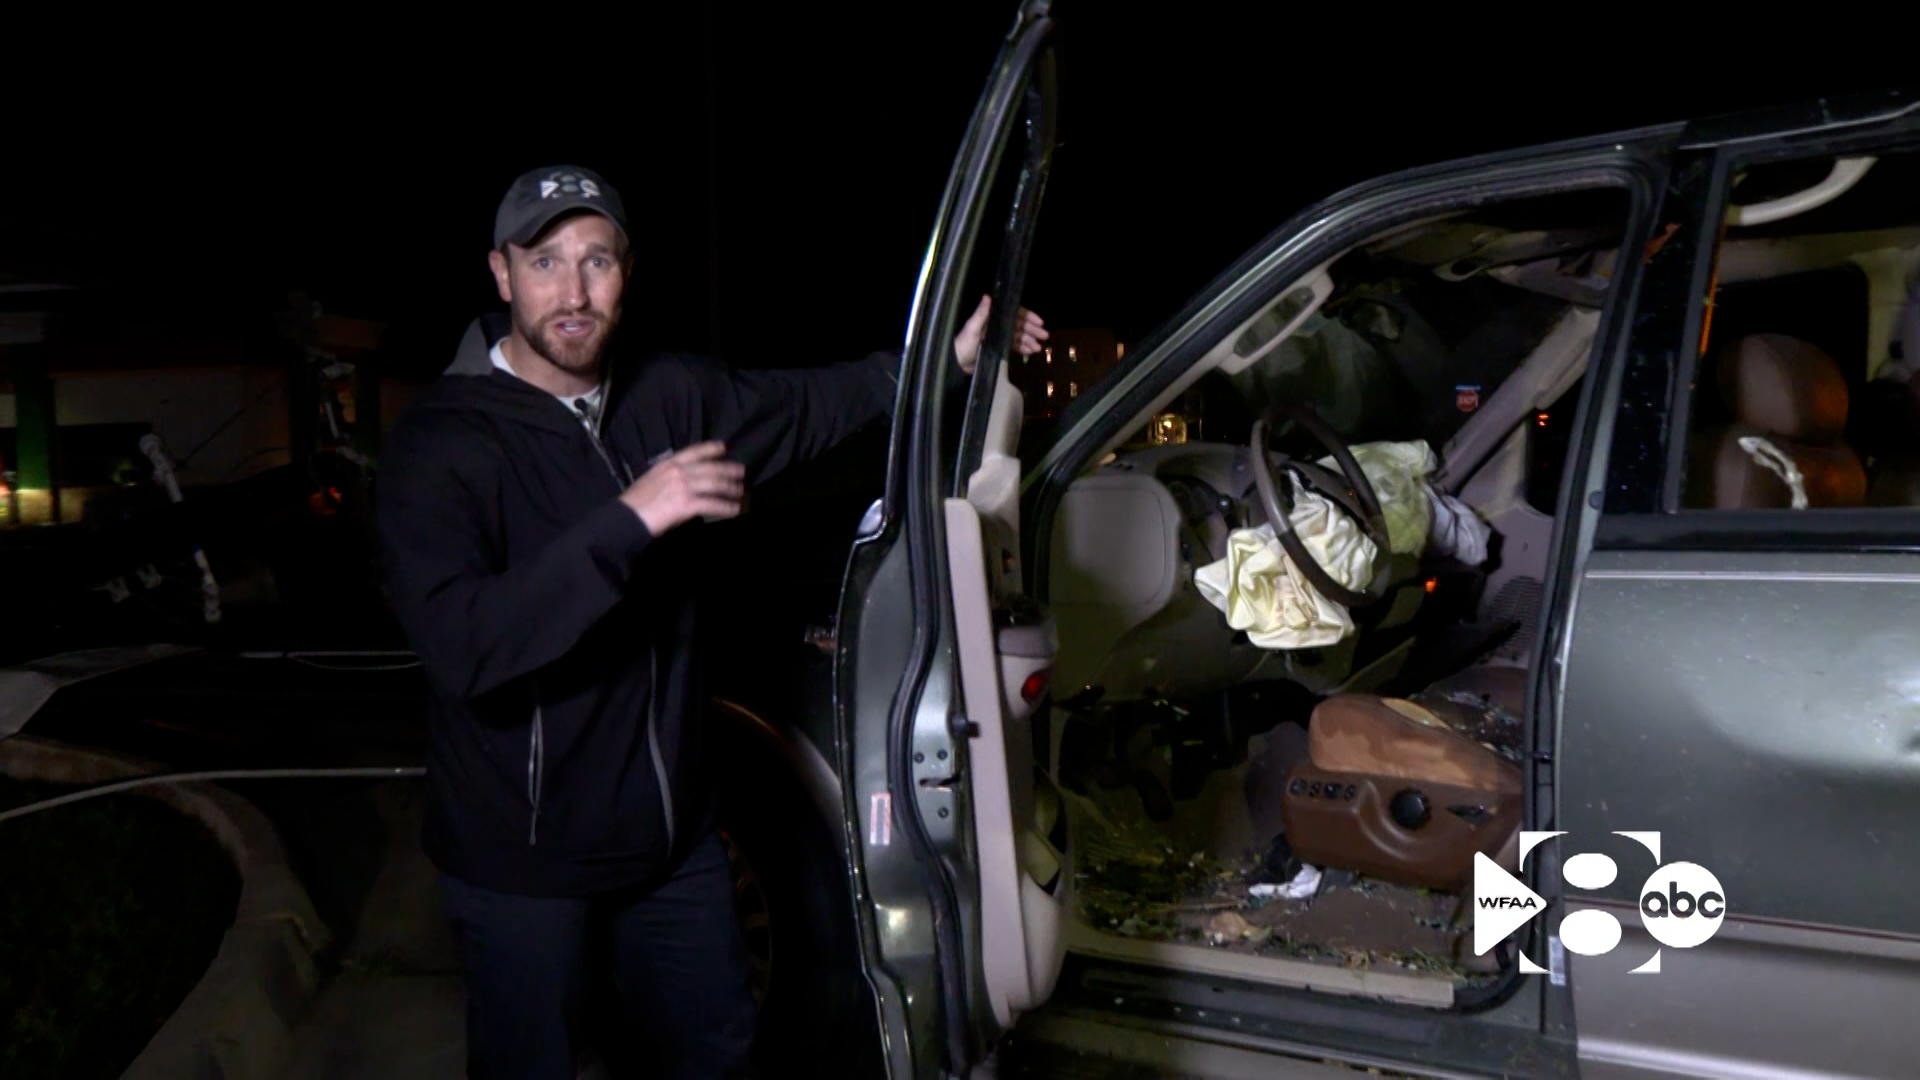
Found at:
[397, 1006]
[97, 951]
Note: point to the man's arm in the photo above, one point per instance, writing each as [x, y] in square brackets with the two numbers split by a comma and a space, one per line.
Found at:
[769, 420]
[476, 627]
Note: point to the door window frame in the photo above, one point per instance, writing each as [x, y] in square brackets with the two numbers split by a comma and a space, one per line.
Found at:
[1646, 468]
[1634, 164]
[950, 1022]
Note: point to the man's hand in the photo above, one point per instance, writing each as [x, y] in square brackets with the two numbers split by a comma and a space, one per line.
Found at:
[696, 482]
[1028, 332]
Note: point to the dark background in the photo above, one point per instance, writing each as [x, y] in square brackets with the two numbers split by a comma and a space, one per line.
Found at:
[783, 162]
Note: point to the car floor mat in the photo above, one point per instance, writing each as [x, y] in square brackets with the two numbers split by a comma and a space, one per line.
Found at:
[1143, 879]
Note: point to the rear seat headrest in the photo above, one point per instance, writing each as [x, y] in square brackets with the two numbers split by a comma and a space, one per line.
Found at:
[1784, 387]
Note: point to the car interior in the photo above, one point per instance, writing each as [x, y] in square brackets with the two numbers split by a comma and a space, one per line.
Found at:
[1805, 394]
[1288, 686]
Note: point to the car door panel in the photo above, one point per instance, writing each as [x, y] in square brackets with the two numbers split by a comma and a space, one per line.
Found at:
[1812, 1001]
[1024, 879]
[905, 737]
[1745, 686]
[1767, 704]
[899, 940]
[1761, 712]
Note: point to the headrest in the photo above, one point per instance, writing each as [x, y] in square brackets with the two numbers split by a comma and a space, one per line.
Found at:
[1784, 387]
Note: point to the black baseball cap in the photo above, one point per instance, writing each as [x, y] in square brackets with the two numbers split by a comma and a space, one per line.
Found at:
[538, 197]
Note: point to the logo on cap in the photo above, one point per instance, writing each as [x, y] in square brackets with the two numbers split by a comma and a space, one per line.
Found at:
[561, 184]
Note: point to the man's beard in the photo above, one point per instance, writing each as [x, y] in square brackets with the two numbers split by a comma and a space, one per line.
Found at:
[578, 358]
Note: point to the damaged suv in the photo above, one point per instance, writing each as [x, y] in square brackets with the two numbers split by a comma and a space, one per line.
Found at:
[1569, 490]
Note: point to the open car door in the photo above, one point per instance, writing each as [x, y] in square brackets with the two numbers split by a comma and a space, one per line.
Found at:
[957, 843]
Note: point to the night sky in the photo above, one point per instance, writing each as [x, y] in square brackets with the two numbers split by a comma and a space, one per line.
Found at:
[782, 164]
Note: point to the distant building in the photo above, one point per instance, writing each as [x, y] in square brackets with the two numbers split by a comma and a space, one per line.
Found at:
[1073, 362]
[1070, 364]
[75, 402]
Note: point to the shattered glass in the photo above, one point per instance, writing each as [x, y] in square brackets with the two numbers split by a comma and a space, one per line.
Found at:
[1186, 883]
[1488, 723]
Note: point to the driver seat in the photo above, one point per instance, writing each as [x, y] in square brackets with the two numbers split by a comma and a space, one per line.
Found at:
[1392, 791]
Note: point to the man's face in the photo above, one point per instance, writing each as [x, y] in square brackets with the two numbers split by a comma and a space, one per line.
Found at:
[565, 291]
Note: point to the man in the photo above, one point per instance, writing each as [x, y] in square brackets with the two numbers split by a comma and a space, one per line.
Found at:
[537, 520]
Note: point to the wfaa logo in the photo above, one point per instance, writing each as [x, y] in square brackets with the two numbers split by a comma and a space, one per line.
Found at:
[1681, 905]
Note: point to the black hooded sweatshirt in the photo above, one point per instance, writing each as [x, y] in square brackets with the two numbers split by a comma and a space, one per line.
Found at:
[565, 734]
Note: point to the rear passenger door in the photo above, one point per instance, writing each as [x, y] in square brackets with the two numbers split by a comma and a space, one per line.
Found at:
[1739, 682]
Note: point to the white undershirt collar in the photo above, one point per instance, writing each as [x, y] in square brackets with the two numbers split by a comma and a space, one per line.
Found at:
[572, 401]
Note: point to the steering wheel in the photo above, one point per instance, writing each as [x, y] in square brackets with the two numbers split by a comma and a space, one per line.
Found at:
[1356, 497]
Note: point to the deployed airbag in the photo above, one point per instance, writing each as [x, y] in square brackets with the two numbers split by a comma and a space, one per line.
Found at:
[1398, 472]
[1418, 515]
[1262, 592]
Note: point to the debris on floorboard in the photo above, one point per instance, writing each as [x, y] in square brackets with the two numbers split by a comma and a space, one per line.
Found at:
[1136, 878]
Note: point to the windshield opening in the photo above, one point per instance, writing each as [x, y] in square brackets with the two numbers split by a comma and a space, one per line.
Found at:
[1422, 327]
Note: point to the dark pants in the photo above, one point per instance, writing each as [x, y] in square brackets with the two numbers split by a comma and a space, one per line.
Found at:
[682, 1008]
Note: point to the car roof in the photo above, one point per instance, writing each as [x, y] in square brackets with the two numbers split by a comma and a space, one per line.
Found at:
[1820, 114]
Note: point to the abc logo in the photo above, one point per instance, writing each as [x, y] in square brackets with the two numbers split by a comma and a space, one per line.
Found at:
[1682, 905]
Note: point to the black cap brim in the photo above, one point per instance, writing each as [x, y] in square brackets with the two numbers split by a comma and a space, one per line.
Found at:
[534, 227]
